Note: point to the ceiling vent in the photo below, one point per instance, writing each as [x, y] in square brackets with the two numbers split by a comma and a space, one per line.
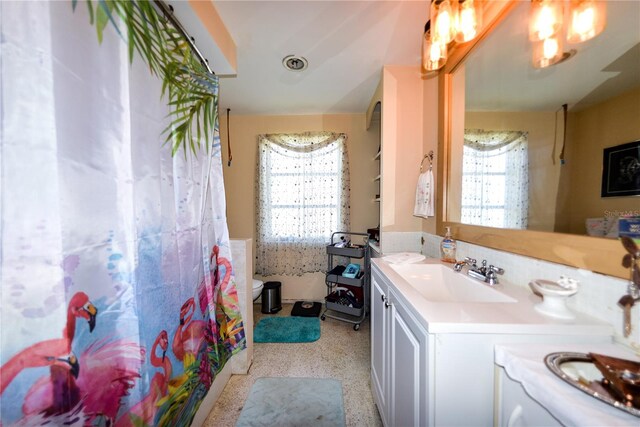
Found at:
[295, 63]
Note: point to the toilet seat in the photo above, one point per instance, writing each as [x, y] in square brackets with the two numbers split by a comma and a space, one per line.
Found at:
[257, 288]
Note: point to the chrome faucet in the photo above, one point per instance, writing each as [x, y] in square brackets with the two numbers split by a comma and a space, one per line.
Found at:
[487, 274]
[457, 267]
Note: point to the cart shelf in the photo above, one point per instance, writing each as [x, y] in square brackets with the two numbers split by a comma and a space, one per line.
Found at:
[335, 276]
[351, 310]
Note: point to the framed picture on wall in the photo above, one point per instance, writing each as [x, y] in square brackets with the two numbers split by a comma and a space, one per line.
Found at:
[621, 170]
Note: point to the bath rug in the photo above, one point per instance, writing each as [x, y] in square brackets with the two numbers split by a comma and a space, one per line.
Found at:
[293, 402]
[306, 309]
[287, 329]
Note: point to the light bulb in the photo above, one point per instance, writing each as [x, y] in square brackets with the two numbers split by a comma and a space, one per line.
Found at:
[550, 48]
[547, 52]
[588, 19]
[469, 14]
[434, 53]
[443, 16]
[545, 19]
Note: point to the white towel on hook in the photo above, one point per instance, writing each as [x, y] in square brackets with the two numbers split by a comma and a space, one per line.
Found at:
[424, 195]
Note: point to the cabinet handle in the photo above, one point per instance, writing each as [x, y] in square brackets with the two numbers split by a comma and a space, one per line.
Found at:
[383, 297]
[386, 304]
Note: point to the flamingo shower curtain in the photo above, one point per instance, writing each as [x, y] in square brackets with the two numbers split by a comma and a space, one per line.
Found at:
[117, 301]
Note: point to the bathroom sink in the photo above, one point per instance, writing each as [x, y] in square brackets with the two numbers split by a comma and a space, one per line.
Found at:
[439, 283]
[580, 371]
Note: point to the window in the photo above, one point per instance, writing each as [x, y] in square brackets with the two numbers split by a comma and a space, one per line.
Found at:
[495, 182]
[302, 197]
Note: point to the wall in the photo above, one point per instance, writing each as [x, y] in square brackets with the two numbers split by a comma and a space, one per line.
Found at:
[607, 124]
[544, 174]
[240, 179]
[402, 148]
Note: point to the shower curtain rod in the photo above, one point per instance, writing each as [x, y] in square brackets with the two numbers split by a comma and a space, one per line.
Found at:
[167, 11]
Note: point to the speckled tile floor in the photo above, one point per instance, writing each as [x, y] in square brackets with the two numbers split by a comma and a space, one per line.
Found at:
[340, 353]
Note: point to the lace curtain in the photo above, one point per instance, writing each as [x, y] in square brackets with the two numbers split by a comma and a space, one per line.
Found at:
[495, 179]
[302, 196]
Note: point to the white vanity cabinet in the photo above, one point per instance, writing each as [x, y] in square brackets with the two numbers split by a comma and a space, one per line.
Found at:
[432, 363]
[399, 359]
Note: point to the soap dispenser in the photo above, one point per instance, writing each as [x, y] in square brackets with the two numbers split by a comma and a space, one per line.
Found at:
[448, 247]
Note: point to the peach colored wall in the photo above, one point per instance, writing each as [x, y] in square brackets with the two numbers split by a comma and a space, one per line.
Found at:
[240, 178]
[544, 175]
[402, 147]
[613, 122]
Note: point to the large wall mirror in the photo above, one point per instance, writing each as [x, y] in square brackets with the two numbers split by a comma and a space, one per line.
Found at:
[517, 161]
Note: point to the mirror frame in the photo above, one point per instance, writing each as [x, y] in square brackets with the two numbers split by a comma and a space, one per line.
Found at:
[591, 253]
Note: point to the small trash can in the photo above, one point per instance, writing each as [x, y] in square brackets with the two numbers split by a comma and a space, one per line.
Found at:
[271, 297]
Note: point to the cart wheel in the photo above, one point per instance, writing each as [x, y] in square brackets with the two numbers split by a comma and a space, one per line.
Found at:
[323, 317]
[356, 327]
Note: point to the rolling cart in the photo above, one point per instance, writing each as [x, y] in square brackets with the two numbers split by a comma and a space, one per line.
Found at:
[347, 293]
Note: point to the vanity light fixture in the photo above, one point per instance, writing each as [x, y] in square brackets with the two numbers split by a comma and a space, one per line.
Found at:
[586, 20]
[458, 20]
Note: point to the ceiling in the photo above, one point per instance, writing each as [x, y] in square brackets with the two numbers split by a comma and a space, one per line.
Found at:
[499, 75]
[345, 42]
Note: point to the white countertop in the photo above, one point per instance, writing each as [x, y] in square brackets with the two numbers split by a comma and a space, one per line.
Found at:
[525, 363]
[495, 317]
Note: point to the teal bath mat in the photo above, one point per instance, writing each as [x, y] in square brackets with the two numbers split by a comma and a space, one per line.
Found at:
[287, 329]
[288, 402]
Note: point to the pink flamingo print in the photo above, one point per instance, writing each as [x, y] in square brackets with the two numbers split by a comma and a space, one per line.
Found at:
[35, 355]
[79, 307]
[208, 290]
[146, 409]
[189, 335]
[107, 372]
[62, 370]
[46, 353]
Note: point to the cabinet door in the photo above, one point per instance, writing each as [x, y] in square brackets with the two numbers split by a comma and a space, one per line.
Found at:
[379, 347]
[409, 375]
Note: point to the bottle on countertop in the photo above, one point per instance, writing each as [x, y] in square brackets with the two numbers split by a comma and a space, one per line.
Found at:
[448, 247]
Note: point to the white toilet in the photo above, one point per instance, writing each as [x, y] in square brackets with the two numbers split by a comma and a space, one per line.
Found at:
[257, 288]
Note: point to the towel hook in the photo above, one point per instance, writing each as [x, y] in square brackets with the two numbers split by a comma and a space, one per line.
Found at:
[427, 156]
